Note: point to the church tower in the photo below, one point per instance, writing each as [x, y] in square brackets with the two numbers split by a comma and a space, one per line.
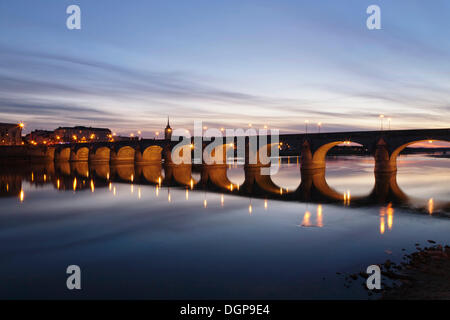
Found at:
[168, 131]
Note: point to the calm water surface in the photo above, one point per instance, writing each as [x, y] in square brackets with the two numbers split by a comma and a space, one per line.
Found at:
[136, 240]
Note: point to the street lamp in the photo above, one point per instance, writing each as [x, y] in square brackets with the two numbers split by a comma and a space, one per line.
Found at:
[381, 121]
[157, 134]
[319, 125]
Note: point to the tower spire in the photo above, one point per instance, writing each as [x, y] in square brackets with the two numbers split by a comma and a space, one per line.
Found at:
[168, 121]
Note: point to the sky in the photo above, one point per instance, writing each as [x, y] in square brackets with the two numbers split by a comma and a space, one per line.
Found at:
[226, 63]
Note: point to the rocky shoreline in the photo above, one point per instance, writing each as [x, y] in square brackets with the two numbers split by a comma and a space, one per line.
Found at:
[422, 275]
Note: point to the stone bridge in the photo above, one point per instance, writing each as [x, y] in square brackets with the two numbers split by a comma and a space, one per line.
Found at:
[385, 146]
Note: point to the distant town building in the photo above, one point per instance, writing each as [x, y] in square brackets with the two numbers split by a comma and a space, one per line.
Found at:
[40, 137]
[168, 131]
[82, 134]
[10, 134]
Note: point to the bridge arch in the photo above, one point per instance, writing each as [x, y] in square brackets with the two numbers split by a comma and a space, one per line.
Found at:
[101, 154]
[396, 152]
[150, 154]
[63, 154]
[123, 154]
[81, 154]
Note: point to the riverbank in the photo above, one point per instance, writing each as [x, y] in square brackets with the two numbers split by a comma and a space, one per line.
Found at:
[423, 275]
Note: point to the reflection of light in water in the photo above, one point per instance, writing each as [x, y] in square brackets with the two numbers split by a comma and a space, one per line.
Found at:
[45, 177]
[347, 198]
[265, 204]
[250, 209]
[205, 203]
[7, 187]
[21, 195]
[389, 212]
[58, 184]
[390, 215]
[319, 216]
[74, 184]
[92, 186]
[139, 193]
[306, 219]
[114, 190]
[382, 227]
[110, 186]
[222, 200]
[169, 197]
[32, 176]
[132, 188]
[157, 191]
[430, 206]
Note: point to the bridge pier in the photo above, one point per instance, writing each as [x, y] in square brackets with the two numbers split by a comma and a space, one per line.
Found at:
[384, 162]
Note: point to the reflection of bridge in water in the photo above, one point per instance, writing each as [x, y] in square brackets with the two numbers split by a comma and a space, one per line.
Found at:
[313, 188]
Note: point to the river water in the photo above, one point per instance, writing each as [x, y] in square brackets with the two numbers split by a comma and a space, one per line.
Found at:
[143, 238]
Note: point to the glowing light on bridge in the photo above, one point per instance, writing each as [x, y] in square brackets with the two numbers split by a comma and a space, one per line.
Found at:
[132, 177]
[107, 176]
[430, 206]
[74, 184]
[32, 177]
[192, 184]
[45, 177]
[21, 125]
[58, 183]
[231, 187]
[92, 186]
[159, 181]
[430, 141]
